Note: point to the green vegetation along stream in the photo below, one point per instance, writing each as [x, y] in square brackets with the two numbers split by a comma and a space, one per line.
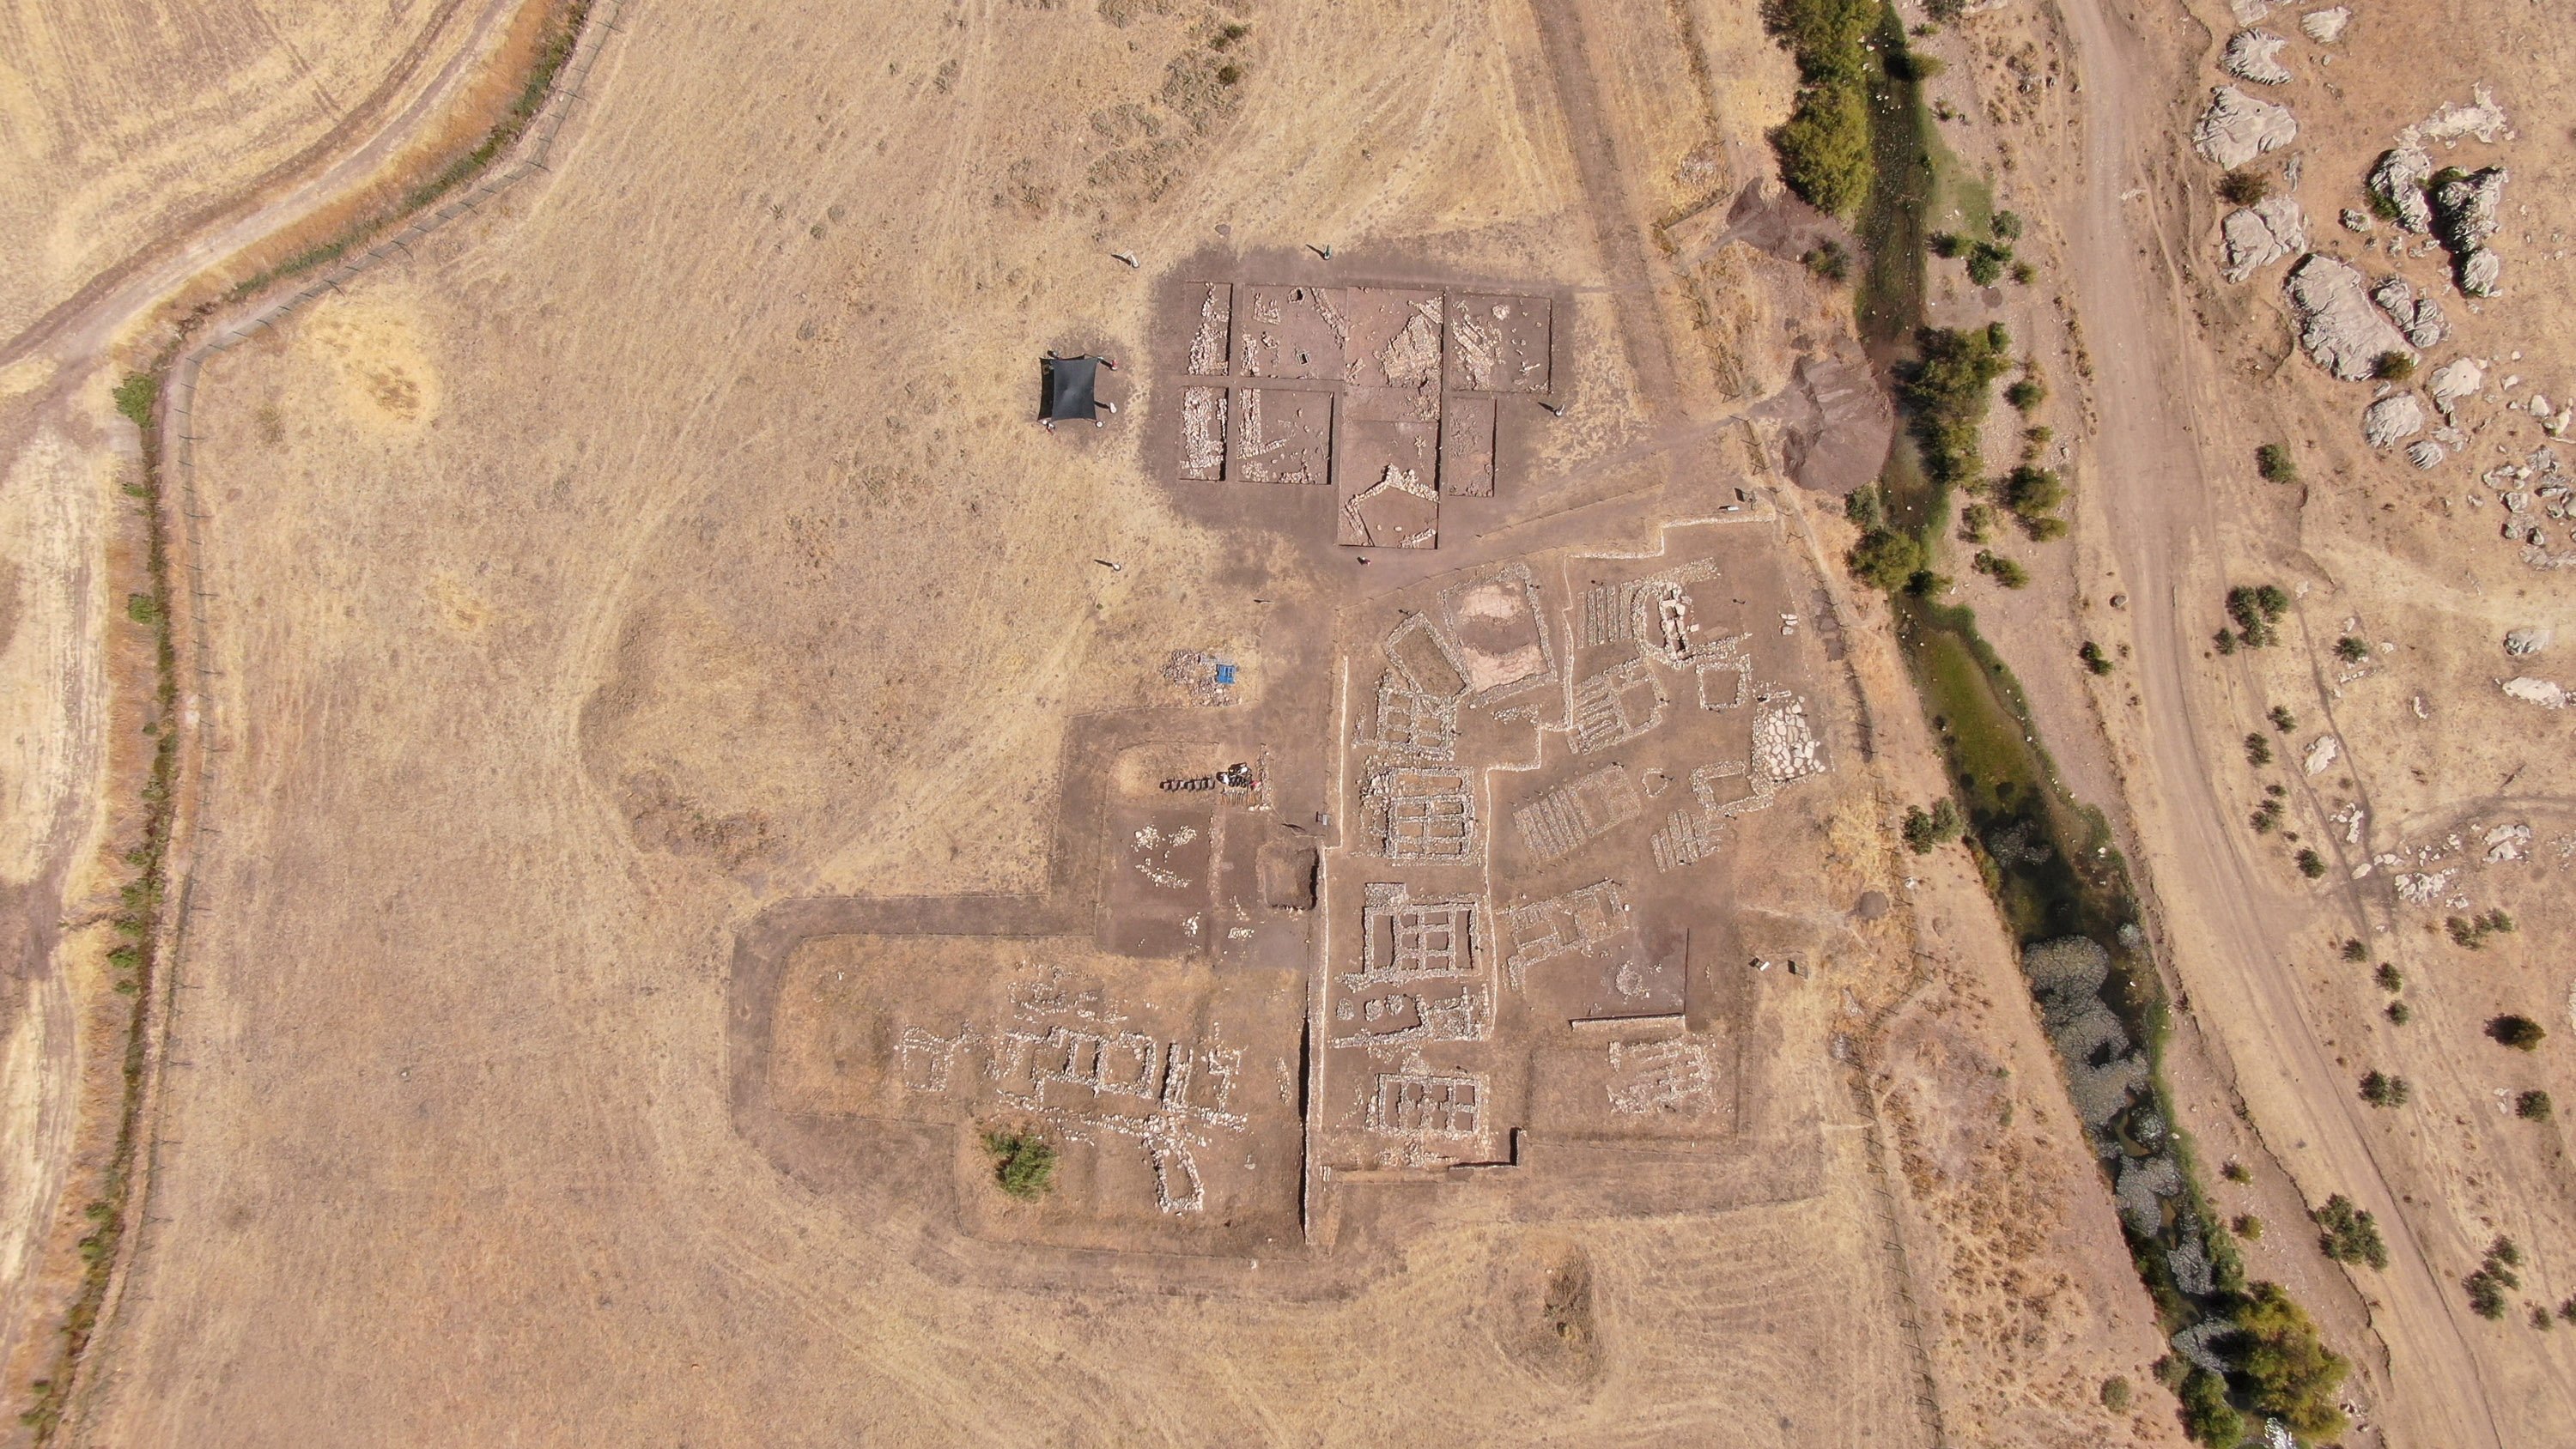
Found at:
[2242, 1352]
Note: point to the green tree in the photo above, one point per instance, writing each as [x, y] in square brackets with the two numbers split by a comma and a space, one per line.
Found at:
[1023, 1163]
[1885, 558]
[2517, 1031]
[2290, 1373]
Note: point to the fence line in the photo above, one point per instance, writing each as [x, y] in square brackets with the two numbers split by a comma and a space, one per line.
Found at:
[178, 431]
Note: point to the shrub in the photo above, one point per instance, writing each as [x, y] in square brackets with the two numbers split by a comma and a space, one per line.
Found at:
[2027, 393]
[1824, 147]
[2002, 570]
[2258, 751]
[2284, 721]
[135, 397]
[2093, 657]
[2256, 608]
[2031, 491]
[2533, 1106]
[2471, 934]
[2206, 1414]
[2242, 187]
[2311, 864]
[2380, 1089]
[1885, 558]
[2519, 1032]
[2266, 817]
[2272, 461]
[2392, 367]
[2351, 650]
[2389, 977]
[2115, 1394]
[1829, 261]
[2236, 1171]
[1906, 65]
[2349, 1234]
[1023, 1163]
[2493, 1279]
[2399, 1013]
[2023, 273]
[1946, 393]
[1925, 829]
[1945, 244]
[143, 608]
[2044, 528]
[1862, 507]
[1986, 263]
[2291, 1374]
[2248, 1227]
[1976, 523]
[2006, 225]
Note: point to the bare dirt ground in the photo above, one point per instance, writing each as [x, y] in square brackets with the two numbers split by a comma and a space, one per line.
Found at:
[663, 563]
[2085, 117]
[141, 147]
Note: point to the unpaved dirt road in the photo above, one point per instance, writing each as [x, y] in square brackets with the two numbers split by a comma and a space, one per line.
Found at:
[2215, 902]
[56, 515]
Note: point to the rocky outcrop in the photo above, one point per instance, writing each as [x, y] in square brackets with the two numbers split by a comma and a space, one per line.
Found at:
[2259, 235]
[2425, 454]
[2254, 55]
[2454, 380]
[2519, 642]
[2325, 27]
[2237, 128]
[2420, 318]
[2337, 323]
[2479, 272]
[2467, 209]
[2398, 181]
[2392, 420]
[2479, 118]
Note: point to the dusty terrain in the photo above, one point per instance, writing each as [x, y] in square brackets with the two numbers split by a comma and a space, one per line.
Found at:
[2434, 798]
[658, 574]
[141, 146]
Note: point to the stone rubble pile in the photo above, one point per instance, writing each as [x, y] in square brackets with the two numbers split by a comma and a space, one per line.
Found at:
[2254, 55]
[2237, 128]
[2261, 234]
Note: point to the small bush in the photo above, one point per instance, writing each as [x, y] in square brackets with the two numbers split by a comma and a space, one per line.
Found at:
[2006, 225]
[2248, 1227]
[1023, 1163]
[2518, 1032]
[1829, 261]
[1885, 558]
[1906, 65]
[2256, 608]
[2399, 1013]
[2236, 1171]
[2311, 864]
[1925, 829]
[135, 397]
[2380, 1089]
[2392, 367]
[2494, 1278]
[2389, 977]
[2471, 933]
[2349, 1234]
[143, 608]
[2242, 187]
[2266, 817]
[2032, 491]
[2093, 657]
[2533, 1106]
[2258, 751]
[2284, 722]
[2206, 1414]
[2115, 1394]
[1862, 507]
[1986, 262]
[2272, 461]
[2027, 394]
[2224, 641]
[2351, 650]
[1977, 523]
[2002, 570]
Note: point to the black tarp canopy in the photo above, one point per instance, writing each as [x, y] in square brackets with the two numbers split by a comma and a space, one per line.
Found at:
[1068, 387]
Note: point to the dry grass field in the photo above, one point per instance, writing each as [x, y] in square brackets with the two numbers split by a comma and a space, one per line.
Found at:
[671, 540]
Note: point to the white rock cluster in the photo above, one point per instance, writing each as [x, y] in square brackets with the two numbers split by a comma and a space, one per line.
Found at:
[2398, 181]
[2237, 128]
[2338, 324]
[2420, 318]
[2325, 27]
[2392, 420]
[2257, 236]
[2254, 55]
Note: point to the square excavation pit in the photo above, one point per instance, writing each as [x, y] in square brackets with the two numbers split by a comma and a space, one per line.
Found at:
[1384, 476]
[1502, 644]
[1499, 344]
[1392, 358]
[1283, 436]
[1203, 412]
[1289, 332]
[1467, 448]
[1212, 339]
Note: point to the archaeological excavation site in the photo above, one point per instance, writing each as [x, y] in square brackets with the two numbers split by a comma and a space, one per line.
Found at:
[1431, 914]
